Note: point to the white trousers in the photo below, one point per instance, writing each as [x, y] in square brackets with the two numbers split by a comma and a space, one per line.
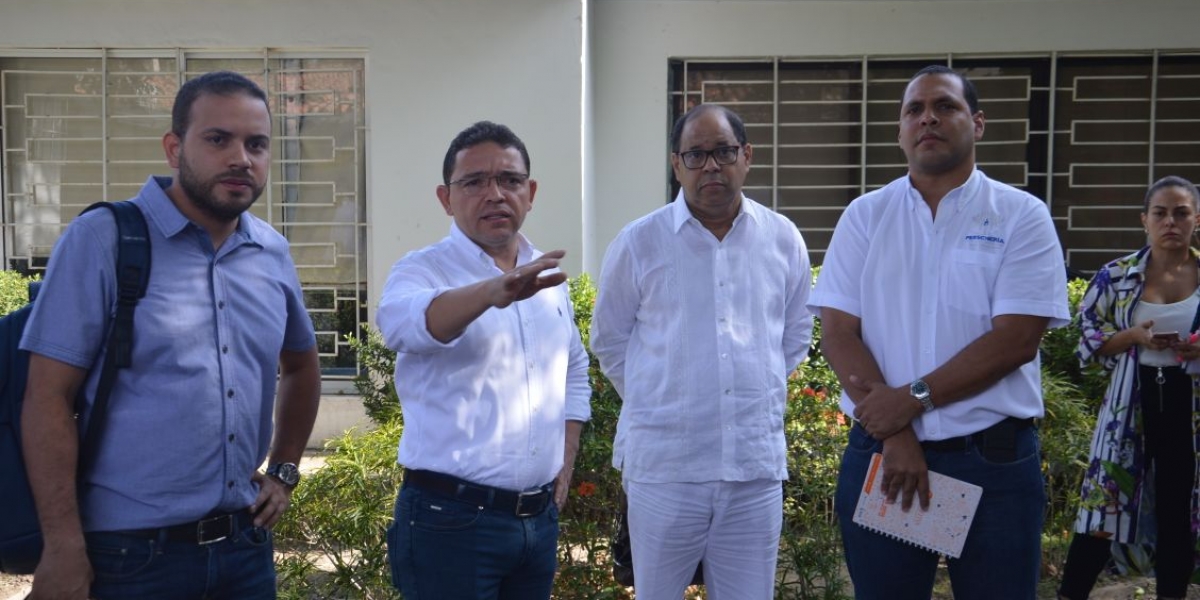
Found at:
[733, 526]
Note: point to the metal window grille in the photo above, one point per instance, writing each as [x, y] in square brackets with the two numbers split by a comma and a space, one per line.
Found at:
[1087, 133]
[81, 126]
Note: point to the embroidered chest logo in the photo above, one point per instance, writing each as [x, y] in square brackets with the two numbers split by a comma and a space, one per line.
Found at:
[985, 230]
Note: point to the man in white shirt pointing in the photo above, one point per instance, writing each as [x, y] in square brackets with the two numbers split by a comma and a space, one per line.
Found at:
[492, 378]
[700, 316]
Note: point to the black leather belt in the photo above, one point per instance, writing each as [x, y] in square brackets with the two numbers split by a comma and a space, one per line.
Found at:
[208, 530]
[1001, 434]
[522, 504]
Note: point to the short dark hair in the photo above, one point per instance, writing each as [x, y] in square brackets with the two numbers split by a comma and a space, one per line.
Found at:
[220, 83]
[969, 92]
[1172, 181]
[734, 120]
[479, 133]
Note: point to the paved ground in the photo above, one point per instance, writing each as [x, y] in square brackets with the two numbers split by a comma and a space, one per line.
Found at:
[15, 588]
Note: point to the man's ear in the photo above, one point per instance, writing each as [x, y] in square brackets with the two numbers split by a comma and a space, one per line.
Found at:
[979, 124]
[171, 146]
[443, 194]
[532, 192]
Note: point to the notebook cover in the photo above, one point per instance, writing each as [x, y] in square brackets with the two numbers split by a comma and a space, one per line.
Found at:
[942, 529]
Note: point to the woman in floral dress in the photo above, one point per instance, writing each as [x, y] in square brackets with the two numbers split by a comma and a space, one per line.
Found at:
[1139, 318]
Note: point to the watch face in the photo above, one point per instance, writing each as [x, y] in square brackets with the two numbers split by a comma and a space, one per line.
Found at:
[919, 389]
[287, 473]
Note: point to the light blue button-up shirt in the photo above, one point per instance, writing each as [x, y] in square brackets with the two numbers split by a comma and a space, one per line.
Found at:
[191, 420]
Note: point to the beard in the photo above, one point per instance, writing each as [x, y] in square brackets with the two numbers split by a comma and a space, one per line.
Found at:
[204, 197]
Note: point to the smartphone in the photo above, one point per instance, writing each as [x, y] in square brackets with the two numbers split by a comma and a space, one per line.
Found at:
[1168, 336]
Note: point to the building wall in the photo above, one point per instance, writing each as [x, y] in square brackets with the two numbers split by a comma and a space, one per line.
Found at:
[632, 41]
[432, 68]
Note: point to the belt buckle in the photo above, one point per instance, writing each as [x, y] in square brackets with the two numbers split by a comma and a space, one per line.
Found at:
[521, 499]
[207, 527]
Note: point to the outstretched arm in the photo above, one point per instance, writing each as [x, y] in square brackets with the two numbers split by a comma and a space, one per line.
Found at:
[450, 313]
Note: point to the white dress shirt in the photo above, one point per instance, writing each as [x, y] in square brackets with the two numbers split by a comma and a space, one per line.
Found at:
[925, 289]
[491, 405]
[698, 336]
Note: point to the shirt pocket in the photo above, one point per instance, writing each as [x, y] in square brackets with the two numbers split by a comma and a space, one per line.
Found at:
[970, 281]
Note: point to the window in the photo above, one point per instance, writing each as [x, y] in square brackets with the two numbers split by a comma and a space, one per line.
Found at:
[1086, 133]
[82, 126]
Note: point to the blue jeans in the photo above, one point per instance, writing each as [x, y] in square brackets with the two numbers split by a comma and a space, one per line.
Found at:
[445, 549]
[125, 566]
[1002, 555]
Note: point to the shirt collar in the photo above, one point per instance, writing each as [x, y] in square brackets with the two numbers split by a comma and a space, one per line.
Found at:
[1141, 258]
[464, 244]
[680, 212]
[166, 216]
[957, 198]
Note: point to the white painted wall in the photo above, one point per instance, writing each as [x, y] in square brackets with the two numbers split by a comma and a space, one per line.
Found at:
[632, 40]
[433, 67]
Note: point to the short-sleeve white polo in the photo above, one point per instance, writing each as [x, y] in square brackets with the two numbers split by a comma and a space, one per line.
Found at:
[925, 288]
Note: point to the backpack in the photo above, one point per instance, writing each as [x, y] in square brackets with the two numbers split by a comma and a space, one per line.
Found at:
[20, 534]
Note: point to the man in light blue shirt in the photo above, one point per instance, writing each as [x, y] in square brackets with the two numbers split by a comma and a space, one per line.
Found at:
[174, 506]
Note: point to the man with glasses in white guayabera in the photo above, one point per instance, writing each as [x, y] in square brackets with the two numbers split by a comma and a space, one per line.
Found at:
[492, 377]
[700, 317]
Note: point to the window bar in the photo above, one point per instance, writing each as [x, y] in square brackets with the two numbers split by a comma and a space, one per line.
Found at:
[268, 88]
[1153, 116]
[360, 135]
[5, 217]
[103, 125]
[862, 128]
[290, 127]
[1050, 130]
[775, 137]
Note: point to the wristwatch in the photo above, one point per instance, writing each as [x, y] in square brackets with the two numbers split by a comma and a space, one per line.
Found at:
[920, 391]
[287, 473]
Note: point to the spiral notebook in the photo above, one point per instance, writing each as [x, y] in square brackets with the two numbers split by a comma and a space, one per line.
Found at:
[942, 529]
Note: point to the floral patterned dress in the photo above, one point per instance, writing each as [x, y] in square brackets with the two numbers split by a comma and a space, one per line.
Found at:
[1117, 489]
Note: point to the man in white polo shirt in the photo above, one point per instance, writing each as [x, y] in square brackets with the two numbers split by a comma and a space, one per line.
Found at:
[933, 298]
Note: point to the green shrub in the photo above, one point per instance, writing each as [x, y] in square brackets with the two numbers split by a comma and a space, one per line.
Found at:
[1058, 351]
[14, 291]
[340, 513]
[339, 519]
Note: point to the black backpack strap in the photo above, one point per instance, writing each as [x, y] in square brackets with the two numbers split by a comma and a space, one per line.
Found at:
[133, 275]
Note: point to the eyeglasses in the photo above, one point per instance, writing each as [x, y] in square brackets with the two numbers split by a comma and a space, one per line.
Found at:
[722, 155]
[477, 185]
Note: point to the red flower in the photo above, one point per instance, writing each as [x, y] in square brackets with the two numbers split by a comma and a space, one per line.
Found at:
[586, 489]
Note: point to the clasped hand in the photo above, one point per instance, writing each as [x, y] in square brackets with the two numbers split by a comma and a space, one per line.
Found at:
[884, 410]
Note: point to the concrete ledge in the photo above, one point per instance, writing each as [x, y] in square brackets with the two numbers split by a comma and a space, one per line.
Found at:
[336, 415]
